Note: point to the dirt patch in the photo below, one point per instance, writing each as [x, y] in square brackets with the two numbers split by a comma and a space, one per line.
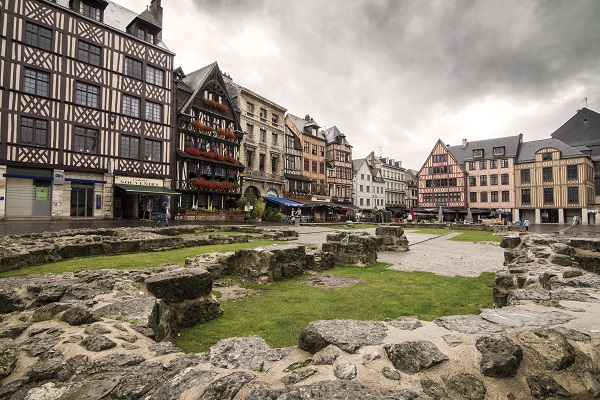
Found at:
[234, 292]
[330, 281]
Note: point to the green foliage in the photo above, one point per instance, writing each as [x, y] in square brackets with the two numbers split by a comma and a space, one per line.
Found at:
[285, 307]
[273, 214]
[259, 208]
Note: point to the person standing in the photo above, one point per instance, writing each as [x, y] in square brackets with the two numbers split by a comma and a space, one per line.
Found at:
[518, 224]
[298, 216]
[162, 206]
[526, 224]
[575, 221]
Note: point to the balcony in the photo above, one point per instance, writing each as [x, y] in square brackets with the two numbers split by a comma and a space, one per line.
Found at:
[263, 176]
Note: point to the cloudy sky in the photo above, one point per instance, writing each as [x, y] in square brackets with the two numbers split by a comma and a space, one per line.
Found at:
[395, 76]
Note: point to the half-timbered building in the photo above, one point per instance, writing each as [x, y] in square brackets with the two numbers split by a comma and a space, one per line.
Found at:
[442, 180]
[339, 153]
[554, 182]
[85, 108]
[207, 140]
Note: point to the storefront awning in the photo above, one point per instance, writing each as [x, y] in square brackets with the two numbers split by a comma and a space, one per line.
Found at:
[284, 201]
[147, 189]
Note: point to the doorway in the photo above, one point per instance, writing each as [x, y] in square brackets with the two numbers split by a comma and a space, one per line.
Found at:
[82, 201]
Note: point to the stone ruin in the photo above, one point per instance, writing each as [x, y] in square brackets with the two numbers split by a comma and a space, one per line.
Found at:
[59, 339]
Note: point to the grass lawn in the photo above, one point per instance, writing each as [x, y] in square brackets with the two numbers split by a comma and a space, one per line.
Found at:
[465, 235]
[284, 308]
[134, 260]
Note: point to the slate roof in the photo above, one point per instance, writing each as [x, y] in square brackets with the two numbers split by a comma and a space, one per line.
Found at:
[412, 174]
[528, 149]
[194, 81]
[463, 155]
[357, 164]
[302, 124]
[331, 135]
[119, 18]
[581, 129]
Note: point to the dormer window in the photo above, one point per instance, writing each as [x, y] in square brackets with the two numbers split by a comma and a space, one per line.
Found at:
[89, 11]
[92, 9]
[478, 153]
[145, 35]
[499, 151]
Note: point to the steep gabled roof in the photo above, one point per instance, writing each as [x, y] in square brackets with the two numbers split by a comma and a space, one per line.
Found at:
[195, 80]
[332, 134]
[302, 124]
[465, 153]
[446, 150]
[581, 129]
[528, 149]
[357, 164]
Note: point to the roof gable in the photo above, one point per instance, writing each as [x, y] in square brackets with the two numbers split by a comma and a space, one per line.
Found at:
[528, 150]
[441, 148]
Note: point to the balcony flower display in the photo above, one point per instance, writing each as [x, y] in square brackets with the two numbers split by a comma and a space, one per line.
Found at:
[215, 104]
[201, 127]
[193, 151]
[228, 135]
[201, 183]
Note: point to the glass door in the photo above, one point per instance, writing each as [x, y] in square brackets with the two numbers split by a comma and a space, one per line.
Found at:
[82, 201]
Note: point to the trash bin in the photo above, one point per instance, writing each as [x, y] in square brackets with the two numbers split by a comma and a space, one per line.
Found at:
[297, 221]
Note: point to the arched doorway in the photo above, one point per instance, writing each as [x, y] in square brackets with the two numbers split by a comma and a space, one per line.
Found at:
[252, 190]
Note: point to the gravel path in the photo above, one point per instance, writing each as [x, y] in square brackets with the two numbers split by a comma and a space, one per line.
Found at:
[430, 253]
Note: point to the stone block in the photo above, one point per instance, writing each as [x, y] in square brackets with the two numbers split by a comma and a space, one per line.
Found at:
[180, 285]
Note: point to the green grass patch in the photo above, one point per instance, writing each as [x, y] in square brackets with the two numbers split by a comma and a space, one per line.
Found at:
[284, 308]
[134, 260]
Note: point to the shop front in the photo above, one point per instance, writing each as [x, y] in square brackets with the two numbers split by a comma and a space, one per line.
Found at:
[138, 198]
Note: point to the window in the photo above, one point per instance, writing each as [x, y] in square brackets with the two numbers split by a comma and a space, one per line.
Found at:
[494, 180]
[493, 164]
[525, 176]
[131, 106]
[273, 139]
[478, 153]
[494, 196]
[262, 159]
[85, 140]
[89, 11]
[36, 82]
[154, 76]
[275, 119]
[505, 196]
[547, 174]
[250, 159]
[526, 196]
[130, 147]
[133, 68]
[322, 168]
[153, 112]
[504, 163]
[250, 130]
[483, 180]
[322, 151]
[306, 165]
[471, 165]
[548, 195]
[454, 197]
[314, 166]
[428, 183]
[152, 150]
[483, 197]
[441, 170]
[472, 181]
[306, 147]
[499, 151]
[368, 177]
[274, 165]
[250, 108]
[368, 202]
[263, 113]
[504, 179]
[482, 164]
[145, 35]
[86, 95]
[573, 194]
[452, 182]
[34, 132]
[368, 189]
[438, 158]
[546, 156]
[38, 36]
[314, 149]
[571, 171]
[473, 197]
[360, 188]
[89, 53]
[361, 201]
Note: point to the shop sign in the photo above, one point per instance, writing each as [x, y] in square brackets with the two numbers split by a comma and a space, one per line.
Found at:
[59, 178]
[271, 193]
[41, 193]
[128, 180]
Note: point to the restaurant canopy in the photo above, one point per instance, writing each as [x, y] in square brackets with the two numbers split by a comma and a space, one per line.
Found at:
[284, 201]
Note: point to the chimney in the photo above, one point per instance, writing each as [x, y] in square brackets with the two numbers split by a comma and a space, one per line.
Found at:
[464, 143]
[157, 11]
[520, 138]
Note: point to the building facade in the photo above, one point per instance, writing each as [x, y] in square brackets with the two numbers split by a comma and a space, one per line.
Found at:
[490, 165]
[554, 182]
[86, 105]
[207, 141]
[263, 146]
[412, 188]
[369, 185]
[442, 180]
[395, 184]
[339, 154]
[313, 155]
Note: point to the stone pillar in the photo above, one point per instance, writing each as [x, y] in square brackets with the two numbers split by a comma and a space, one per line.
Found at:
[516, 214]
[58, 195]
[561, 215]
[584, 216]
[108, 196]
[538, 216]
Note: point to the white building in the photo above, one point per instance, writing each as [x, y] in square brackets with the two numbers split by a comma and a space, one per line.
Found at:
[369, 185]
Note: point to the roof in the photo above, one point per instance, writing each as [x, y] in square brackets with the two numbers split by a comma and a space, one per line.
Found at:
[195, 80]
[581, 129]
[464, 153]
[412, 174]
[119, 18]
[334, 135]
[302, 124]
[528, 149]
[357, 164]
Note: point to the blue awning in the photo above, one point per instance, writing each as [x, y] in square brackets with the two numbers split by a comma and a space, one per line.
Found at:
[284, 201]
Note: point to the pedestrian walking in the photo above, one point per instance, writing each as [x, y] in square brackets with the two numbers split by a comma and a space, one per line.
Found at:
[575, 221]
[162, 207]
[526, 224]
